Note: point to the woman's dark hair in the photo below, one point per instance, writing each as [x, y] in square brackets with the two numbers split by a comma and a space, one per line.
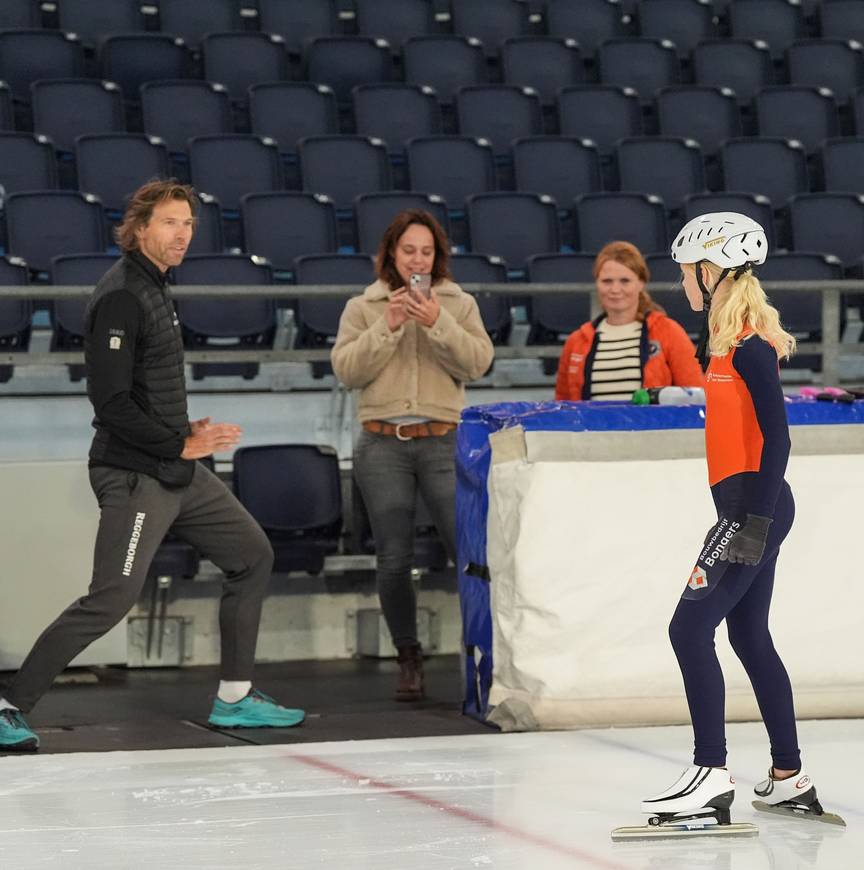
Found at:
[385, 263]
[141, 204]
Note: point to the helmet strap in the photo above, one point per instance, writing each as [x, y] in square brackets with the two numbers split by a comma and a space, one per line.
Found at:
[702, 353]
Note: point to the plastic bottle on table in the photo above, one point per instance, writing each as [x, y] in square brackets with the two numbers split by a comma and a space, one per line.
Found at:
[669, 396]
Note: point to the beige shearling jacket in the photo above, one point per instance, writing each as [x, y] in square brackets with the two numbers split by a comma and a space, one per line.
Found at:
[415, 371]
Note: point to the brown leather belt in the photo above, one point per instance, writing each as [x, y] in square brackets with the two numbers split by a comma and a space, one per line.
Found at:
[407, 431]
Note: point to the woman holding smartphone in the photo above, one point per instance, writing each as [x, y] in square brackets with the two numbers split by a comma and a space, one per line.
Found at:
[409, 344]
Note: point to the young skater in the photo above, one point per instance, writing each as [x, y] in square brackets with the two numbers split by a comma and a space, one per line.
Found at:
[747, 447]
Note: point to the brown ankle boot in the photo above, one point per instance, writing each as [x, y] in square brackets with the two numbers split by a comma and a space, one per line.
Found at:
[410, 686]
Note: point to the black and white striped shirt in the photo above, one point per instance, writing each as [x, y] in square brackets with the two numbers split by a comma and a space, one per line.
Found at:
[616, 372]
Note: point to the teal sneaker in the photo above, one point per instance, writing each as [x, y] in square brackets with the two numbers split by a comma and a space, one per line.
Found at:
[15, 733]
[256, 710]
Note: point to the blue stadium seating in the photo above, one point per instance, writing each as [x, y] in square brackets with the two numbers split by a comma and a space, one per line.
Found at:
[228, 167]
[32, 55]
[638, 218]
[45, 224]
[558, 166]
[646, 65]
[543, 63]
[554, 316]
[7, 120]
[444, 63]
[775, 168]
[285, 225]
[343, 62]
[709, 115]
[93, 20]
[668, 167]
[744, 66]
[842, 19]
[684, 22]
[776, 22]
[15, 314]
[240, 60]
[513, 226]
[207, 238]
[297, 21]
[19, 13]
[499, 113]
[176, 111]
[828, 63]
[490, 21]
[396, 113]
[115, 165]
[829, 223]
[454, 167]
[798, 112]
[191, 20]
[27, 162]
[843, 164]
[494, 307]
[132, 59]
[395, 20]
[589, 22]
[602, 113]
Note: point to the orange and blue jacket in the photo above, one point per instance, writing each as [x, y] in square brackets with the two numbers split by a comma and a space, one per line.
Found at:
[666, 356]
[746, 430]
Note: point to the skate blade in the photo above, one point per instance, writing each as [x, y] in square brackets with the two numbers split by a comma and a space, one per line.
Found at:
[786, 812]
[671, 831]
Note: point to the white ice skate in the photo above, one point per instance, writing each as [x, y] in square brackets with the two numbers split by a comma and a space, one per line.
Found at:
[795, 796]
[696, 805]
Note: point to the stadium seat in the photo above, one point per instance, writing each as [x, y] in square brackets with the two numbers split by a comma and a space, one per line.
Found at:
[662, 165]
[27, 162]
[228, 167]
[843, 164]
[15, 314]
[343, 62]
[829, 223]
[291, 111]
[297, 21]
[775, 168]
[396, 113]
[602, 113]
[490, 21]
[32, 55]
[343, 167]
[646, 65]
[177, 111]
[744, 66]
[285, 225]
[513, 226]
[589, 22]
[842, 19]
[45, 224]
[191, 20]
[543, 63]
[827, 63]
[494, 307]
[454, 167]
[705, 114]
[684, 22]
[638, 218]
[498, 113]
[777, 22]
[7, 119]
[226, 324]
[294, 492]
[64, 109]
[395, 20]
[664, 270]
[753, 205]
[19, 13]
[558, 166]
[207, 238]
[240, 60]
[798, 112]
[132, 59]
[115, 165]
[93, 20]
[375, 211]
[444, 63]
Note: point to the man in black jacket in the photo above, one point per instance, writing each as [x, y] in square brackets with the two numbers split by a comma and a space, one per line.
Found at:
[144, 473]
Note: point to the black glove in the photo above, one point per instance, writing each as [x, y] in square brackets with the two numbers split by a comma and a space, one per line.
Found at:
[748, 543]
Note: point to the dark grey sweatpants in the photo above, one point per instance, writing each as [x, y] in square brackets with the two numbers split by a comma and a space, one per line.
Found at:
[136, 511]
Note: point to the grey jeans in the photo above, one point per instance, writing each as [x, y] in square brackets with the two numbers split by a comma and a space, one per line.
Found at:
[136, 511]
[389, 472]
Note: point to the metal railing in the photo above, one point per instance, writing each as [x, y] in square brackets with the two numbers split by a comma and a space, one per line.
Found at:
[828, 348]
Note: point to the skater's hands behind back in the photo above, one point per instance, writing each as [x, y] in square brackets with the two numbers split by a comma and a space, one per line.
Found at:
[748, 544]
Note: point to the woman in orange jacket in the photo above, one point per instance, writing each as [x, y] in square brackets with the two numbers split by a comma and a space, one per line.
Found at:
[633, 344]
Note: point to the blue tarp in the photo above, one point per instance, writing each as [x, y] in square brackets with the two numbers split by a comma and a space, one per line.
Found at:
[472, 503]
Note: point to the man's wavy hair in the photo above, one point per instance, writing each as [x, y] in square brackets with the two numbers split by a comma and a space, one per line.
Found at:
[385, 264]
[141, 205]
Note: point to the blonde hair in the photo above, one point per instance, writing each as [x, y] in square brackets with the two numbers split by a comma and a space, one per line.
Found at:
[628, 255]
[744, 305]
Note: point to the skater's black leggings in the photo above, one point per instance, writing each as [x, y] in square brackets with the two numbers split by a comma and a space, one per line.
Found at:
[741, 596]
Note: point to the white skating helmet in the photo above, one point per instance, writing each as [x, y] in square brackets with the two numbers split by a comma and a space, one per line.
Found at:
[725, 238]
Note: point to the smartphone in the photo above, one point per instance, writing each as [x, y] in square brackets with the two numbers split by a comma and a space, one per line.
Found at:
[422, 284]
